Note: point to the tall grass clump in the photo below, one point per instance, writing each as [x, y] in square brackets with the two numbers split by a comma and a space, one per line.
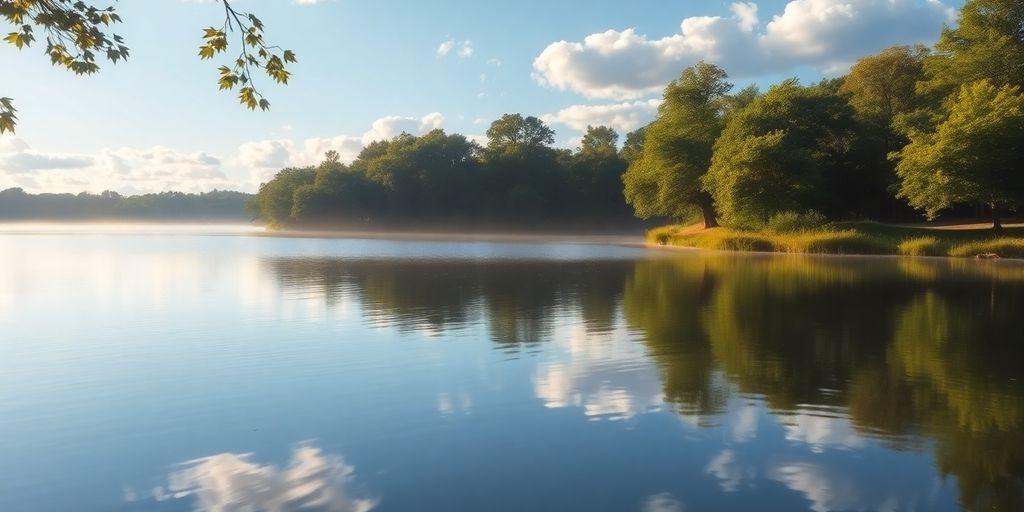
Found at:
[920, 246]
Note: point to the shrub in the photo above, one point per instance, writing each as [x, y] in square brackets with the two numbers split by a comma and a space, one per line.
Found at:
[661, 235]
[920, 246]
[795, 222]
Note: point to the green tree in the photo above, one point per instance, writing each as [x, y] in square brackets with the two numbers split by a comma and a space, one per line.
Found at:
[513, 132]
[975, 155]
[790, 149]
[633, 147]
[274, 202]
[883, 86]
[78, 38]
[987, 43]
[665, 179]
[600, 139]
[597, 170]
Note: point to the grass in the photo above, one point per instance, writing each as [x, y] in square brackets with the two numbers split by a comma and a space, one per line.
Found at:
[851, 238]
[1003, 247]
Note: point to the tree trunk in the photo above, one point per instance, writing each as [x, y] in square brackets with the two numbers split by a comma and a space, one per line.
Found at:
[997, 223]
[707, 209]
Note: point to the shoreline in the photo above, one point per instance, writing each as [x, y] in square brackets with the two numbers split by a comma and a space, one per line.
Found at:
[852, 239]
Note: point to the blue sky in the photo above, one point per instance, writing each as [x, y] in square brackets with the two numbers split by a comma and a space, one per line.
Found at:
[371, 69]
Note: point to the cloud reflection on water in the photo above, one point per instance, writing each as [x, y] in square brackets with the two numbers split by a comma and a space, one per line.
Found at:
[230, 482]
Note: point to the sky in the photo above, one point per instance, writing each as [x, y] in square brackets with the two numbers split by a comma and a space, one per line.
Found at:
[371, 69]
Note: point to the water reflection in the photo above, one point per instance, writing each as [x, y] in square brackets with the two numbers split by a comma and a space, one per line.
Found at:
[230, 482]
[840, 354]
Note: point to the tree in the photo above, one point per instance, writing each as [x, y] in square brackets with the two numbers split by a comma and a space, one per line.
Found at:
[78, 39]
[883, 86]
[665, 179]
[275, 200]
[601, 139]
[986, 44]
[513, 132]
[634, 145]
[789, 150]
[976, 155]
[597, 170]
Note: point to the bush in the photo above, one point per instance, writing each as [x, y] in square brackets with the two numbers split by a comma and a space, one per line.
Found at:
[661, 235]
[920, 246]
[1002, 247]
[795, 222]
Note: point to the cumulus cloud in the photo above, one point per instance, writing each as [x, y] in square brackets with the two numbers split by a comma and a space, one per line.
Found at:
[392, 126]
[823, 34]
[463, 49]
[746, 15]
[623, 117]
[228, 481]
[126, 170]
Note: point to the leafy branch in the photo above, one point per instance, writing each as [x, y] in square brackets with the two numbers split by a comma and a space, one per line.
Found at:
[255, 55]
[7, 117]
[78, 39]
[75, 35]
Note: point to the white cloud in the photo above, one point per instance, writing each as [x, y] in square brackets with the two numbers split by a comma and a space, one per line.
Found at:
[463, 49]
[746, 15]
[494, 62]
[623, 117]
[823, 34]
[231, 481]
[126, 170]
[392, 126]
[445, 48]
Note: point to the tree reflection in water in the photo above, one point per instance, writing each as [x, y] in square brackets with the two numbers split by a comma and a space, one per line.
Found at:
[918, 354]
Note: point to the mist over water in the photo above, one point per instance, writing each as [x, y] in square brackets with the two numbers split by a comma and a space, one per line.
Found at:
[194, 372]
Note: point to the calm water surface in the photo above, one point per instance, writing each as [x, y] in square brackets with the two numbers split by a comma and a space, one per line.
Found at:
[219, 372]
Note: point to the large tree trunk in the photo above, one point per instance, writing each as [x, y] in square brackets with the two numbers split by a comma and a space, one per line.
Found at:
[997, 223]
[707, 209]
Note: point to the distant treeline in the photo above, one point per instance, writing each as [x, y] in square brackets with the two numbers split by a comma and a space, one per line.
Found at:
[910, 130]
[441, 179]
[218, 205]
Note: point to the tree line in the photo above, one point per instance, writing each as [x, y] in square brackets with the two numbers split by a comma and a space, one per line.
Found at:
[908, 131]
[517, 178]
[221, 205]
[933, 129]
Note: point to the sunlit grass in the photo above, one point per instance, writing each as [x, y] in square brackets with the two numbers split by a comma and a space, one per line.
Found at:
[921, 246]
[1002, 247]
[850, 238]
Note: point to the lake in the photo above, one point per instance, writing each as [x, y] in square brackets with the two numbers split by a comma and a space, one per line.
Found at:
[215, 370]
